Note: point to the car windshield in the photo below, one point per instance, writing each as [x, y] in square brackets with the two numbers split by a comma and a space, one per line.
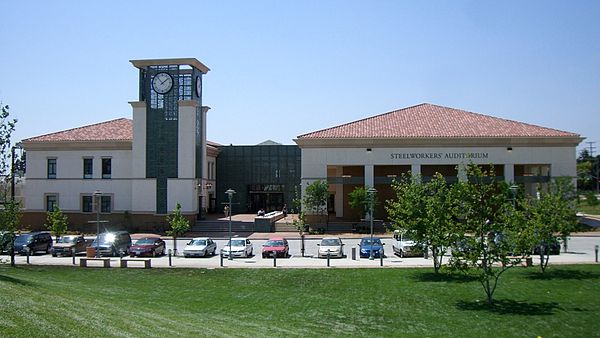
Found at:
[23, 239]
[237, 242]
[367, 241]
[145, 241]
[274, 243]
[197, 242]
[66, 239]
[106, 238]
[407, 237]
[330, 242]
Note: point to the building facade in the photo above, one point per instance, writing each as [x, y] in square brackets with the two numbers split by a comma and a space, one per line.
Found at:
[426, 139]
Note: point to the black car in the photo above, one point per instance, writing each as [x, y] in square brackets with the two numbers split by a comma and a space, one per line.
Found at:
[112, 243]
[5, 241]
[33, 242]
[550, 248]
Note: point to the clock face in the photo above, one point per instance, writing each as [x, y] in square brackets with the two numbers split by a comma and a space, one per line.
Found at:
[198, 86]
[162, 83]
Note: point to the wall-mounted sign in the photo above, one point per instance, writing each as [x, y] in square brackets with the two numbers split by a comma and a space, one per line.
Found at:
[434, 156]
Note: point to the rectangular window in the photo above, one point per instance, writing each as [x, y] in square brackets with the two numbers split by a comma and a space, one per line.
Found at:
[88, 168]
[51, 202]
[106, 168]
[51, 168]
[87, 204]
[105, 204]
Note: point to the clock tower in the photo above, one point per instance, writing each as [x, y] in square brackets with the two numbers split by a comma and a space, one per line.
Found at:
[169, 135]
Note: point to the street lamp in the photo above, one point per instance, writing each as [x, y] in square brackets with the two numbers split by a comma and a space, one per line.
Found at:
[230, 193]
[371, 191]
[97, 195]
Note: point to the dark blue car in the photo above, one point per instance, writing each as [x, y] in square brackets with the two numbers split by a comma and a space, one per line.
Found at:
[366, 246]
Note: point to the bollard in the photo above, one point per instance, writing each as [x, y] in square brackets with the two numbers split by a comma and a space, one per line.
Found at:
[426, 253]
[170, 252]
[120, 254]
[221, 255]
[73, 255]
[302, 245]
[380, 258]
[28, 251]
[274, 259]
[596, 249]
[328, 257]
[353, 254]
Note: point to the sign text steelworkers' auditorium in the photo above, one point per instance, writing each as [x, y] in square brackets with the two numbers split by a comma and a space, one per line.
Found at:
[408, 156]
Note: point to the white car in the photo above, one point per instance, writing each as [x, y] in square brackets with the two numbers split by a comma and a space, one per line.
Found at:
[333, 245]
[200, 247]
[240, 247]
[405, 246]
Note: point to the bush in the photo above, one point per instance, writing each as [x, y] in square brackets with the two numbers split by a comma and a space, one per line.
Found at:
[591, 199]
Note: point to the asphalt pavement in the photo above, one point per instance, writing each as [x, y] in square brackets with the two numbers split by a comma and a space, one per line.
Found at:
[581, 250]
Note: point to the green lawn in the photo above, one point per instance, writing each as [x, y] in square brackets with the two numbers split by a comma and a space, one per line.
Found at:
[76, 302]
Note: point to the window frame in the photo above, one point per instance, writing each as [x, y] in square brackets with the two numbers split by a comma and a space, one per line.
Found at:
[89, 175]
[47, 197]
[106, 170]
[51, 168]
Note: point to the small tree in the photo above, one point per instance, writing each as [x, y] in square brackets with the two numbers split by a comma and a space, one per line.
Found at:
[179, 225]
[427, 210]
[10, 220]
[57, 222]
[315, 199]
[360, 199]
[488, 229]
[10, 215]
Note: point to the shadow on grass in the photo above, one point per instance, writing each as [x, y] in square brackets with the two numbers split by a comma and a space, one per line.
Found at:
[444, 277]
[562, 274]
[9, 279]
[510, 307]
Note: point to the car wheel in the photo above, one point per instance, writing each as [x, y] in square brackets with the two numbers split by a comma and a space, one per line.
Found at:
[54, 255]
[48, 248]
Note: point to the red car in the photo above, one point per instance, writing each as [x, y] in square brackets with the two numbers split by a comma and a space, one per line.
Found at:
[148, 246]
[277, 245]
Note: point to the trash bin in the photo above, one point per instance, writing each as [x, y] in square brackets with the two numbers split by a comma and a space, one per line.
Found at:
[90, 252]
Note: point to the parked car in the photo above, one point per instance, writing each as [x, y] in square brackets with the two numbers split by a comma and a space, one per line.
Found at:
[404, 245]
[33, 242]
[148, 246]
[200, 247]
[552, 248]
[277, 245]
[112, 243]
[366, 246]
[240, 247]
[69, 245]
[331, 245]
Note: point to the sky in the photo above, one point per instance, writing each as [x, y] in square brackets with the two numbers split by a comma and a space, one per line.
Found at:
[280, 69]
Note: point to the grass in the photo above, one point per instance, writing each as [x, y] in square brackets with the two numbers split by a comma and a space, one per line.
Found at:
[75, 302]
[588, 209]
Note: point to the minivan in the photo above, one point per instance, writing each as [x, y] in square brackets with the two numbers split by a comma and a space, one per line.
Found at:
[33, 242]
[112, 243]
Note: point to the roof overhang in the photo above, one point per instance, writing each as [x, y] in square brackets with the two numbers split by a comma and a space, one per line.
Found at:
[77, 145]
[439, 142]
[142, 64]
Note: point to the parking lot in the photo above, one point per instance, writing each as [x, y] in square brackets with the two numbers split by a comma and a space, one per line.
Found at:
[581, 249]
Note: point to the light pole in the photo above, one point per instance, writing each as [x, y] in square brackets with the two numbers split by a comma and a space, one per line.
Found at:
[230, 193]
[97, 195]
[371, 191]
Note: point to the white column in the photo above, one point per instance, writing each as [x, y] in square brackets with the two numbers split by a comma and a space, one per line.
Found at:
[509, 173]
[462, 172]
[369, 175]
[339, 194]
[415, 169]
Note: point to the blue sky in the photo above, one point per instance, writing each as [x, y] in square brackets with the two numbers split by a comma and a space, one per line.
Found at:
[280, 69]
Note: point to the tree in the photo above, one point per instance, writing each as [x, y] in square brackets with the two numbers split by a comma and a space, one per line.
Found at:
[179, 225]
[57, 222]
[427, 210]
[360, 199]
[10, 214]
[489, 229]
[315, 199]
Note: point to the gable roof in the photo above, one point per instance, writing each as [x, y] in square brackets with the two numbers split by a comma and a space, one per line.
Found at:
[432, 121]
[115, 130]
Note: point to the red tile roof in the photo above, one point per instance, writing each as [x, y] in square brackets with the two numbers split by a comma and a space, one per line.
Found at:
[114, 130]
[432, 121]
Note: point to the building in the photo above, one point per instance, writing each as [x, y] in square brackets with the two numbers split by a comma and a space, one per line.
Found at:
[425, 139]
[135, 170]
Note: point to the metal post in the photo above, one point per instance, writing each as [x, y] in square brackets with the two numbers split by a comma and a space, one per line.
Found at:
[596, 249]
[274, 259]
[302, 245]
[221, 256]
[28, 251]
[73, 255]
[380, 258]
[97, 195]
[353, 254]
[230, 193]
[170, 252]
[328, 257]
[371, 192]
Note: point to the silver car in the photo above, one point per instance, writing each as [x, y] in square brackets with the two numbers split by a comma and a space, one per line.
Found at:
[331, 245]
[240, 247]
[200, 247]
